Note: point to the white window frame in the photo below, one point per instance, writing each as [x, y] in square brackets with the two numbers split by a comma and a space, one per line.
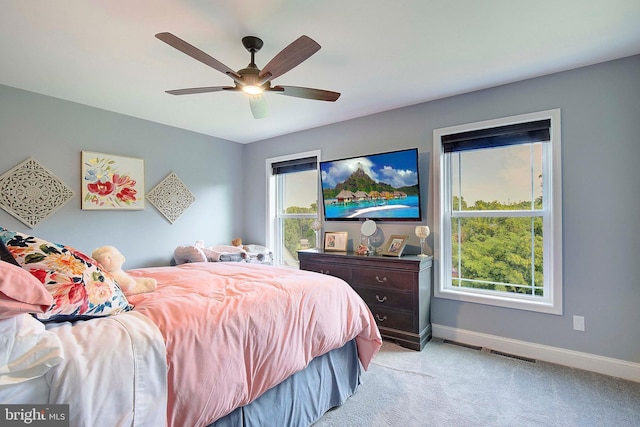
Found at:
[551, 302]
[273, 228]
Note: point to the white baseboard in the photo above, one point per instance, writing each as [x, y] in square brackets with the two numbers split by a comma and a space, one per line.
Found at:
[575, 359]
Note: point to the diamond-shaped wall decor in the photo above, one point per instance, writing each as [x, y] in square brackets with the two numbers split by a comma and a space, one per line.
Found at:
[171, 197]
[31, 193]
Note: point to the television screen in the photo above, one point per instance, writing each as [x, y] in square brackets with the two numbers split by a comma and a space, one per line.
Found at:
[383, 187]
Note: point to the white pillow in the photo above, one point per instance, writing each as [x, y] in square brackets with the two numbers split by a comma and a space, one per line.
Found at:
[257, 249]
[185, 254]
[27, 349]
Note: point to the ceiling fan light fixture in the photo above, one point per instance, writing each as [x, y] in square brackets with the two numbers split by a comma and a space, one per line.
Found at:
[252, 90]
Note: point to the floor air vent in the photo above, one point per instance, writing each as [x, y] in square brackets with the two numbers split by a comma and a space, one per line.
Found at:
[513, 356]
[472, 347]
[486, 350]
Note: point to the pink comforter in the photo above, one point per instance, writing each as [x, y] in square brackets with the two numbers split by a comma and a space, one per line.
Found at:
[234, 330]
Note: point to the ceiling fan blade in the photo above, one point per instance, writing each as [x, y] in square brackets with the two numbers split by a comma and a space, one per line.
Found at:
[193, 90]
[196, 53]
[259, 107]
[294, 54]
[308, 93]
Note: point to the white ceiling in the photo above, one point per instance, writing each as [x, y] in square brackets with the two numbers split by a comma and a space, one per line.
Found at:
[380, 54]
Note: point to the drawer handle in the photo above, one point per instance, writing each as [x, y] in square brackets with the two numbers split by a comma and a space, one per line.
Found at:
[383, 299]
[380, 319]
[384, 279]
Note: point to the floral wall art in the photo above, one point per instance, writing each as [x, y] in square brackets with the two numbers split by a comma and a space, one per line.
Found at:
[112, 182]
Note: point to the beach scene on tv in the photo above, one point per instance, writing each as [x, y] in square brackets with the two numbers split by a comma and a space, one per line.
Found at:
[375, 186]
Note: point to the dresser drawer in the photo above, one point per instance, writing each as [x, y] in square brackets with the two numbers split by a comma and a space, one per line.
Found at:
[385, 298]
[337, 270]
[402, 280]
[397, 290]
[393, 319]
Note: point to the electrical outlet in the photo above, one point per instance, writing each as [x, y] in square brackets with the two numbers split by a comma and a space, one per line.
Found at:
[578, 323]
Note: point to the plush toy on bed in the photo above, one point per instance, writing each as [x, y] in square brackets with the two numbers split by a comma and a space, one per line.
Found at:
[237, 242]
[112, 260]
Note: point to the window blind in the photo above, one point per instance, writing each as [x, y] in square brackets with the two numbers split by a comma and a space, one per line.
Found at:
[295, 165]
[520, 133]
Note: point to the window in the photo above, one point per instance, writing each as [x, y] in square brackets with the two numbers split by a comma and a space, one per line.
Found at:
[498, 207]
[292, 205]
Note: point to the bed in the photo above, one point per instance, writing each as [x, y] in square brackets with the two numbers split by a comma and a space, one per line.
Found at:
[216, 344]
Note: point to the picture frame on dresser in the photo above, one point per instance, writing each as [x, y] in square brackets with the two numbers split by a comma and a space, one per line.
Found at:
[395, 245]
[335, 241]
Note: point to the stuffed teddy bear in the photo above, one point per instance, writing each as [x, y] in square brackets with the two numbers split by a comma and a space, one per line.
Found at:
[112, 260]
[237, 242]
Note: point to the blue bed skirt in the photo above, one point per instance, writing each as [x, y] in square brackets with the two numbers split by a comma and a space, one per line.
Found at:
[304, 397]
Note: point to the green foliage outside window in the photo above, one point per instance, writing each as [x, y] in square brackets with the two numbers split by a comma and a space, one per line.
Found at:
[298, 229]
[498, 253]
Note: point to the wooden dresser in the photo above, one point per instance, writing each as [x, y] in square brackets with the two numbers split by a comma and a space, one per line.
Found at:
[397, 290]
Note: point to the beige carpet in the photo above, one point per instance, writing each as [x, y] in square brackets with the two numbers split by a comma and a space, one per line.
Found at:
[450, 385]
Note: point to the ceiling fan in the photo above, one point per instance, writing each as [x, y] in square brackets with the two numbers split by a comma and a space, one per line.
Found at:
[252, 80]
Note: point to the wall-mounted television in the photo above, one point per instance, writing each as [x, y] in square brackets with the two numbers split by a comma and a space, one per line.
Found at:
[381, 187]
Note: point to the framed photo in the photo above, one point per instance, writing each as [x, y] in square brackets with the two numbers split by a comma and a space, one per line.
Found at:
[112, 182]
[395, 245]
[335, 241]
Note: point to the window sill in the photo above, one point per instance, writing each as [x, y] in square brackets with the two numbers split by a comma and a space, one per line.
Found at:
[540, 306]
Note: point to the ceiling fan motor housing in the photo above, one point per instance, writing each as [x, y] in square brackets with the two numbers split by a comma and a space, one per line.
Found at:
[250, 77]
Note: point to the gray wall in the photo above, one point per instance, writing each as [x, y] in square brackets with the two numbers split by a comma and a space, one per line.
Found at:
[600, 127]
[54, 132]
[600, 108]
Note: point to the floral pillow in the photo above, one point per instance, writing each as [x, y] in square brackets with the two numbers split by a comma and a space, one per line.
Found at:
[80, 288]
[5, 255]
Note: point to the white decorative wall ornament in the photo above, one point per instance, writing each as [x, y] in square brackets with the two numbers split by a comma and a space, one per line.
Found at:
[32, 193]
[171, 197]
